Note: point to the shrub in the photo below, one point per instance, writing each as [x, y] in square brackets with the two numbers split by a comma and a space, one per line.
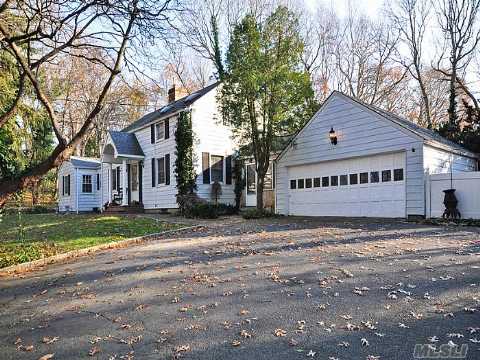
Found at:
[226, 209]
[256, 214]
[203, 211]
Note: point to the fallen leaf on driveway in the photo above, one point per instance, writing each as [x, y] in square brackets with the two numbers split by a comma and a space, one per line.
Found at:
[94, 350]
[280, 332]
[48, 340]
[46, 357]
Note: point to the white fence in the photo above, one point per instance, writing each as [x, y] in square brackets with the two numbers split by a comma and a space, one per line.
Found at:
[467, 187]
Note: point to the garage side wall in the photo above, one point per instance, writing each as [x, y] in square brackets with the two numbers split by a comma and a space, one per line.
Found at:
[360, 132]
[438, 161]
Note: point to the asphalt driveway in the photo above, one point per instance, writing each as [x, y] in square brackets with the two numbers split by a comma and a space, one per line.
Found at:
[274, 289]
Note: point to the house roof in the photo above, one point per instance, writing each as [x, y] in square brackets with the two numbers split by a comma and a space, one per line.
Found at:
[429, 136]
[426, 134]
[169, 109]
[126, 143]
[85, 162]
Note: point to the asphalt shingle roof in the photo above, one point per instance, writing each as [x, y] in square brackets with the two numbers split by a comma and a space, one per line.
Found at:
[126, 143]
[85, 163]
[170, 108]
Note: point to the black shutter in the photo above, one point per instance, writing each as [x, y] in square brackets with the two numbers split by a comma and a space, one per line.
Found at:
[112, 177]
[63, 185]
[98, 181]
[206, 167]
[228, 170]
[153, 172]
[69, 185]
[167, 169]
[152, 133]
[167, 129]
[118, 179]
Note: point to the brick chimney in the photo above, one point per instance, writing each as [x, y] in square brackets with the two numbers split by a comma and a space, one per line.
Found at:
[171, 94]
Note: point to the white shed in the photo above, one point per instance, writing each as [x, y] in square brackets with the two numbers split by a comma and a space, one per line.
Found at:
[356, 160]
[79, 185]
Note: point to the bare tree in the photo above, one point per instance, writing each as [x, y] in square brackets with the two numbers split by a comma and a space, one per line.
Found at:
[458, 21]
[56, 28]
[410, 17]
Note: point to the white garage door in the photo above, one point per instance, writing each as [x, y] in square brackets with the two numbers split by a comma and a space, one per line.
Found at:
[372, 186]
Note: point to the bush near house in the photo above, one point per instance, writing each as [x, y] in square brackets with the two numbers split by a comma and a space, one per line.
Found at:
[257, 214]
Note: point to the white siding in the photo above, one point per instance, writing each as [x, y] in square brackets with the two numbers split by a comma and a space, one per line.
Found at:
[106, 182]
[161, 196]
[438, 161]
[66, 203]
[213, 137]
[360, 132]
[88, 201]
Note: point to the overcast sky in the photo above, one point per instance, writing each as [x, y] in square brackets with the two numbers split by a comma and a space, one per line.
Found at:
[369, 7]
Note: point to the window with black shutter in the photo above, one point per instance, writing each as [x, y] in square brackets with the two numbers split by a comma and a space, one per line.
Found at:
[152, 133]
[206, 167]
[98, 182]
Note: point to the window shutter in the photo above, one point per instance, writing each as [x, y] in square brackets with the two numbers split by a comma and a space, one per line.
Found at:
[167, 169]
[152, 134]
[228, 170]
[167, 129]
[153, 172]
[68, 182]
[206, 167]
[98, 181]
[118, 179]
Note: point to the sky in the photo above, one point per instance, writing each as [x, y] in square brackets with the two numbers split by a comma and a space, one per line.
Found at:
[368, 7]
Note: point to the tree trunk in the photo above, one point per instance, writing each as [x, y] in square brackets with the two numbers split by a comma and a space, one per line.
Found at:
[452, 107]
[9, 187]
[260, 186]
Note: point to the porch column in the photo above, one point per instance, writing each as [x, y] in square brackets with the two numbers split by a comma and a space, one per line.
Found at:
[110, 184]
[124, 183]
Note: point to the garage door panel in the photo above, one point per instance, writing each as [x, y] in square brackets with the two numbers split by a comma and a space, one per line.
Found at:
[381, 199]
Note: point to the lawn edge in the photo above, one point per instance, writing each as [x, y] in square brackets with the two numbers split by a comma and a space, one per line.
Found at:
[63, 257]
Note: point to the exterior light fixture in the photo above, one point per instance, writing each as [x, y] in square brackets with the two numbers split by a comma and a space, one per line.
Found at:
[333, 136]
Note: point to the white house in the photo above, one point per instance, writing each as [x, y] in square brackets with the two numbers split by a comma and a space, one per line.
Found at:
[351, 159]
[137, 163]
[354, 159]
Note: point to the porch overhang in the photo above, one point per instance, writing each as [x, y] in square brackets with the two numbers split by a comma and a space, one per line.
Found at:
[121, 146]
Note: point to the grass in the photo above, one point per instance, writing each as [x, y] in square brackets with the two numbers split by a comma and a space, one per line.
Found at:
[27, 237]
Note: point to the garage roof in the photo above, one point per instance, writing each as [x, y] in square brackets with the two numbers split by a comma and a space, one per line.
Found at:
[429, 136]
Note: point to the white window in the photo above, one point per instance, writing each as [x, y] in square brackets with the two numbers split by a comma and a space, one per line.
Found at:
[66, 185]
[216, 170]
[159, 131]
[161, 170]
[86, 183]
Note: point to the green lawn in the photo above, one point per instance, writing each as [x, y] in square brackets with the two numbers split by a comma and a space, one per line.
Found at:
[28, 237]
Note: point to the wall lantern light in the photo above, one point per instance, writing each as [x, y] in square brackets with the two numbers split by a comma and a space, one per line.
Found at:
[333, 136]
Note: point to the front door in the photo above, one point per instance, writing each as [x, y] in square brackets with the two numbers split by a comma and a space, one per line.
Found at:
[134, 182]
[251, 186]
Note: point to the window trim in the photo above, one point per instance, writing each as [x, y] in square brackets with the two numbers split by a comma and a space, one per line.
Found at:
[223, 169]
[134, 180]
[84, 177]
[66, 180]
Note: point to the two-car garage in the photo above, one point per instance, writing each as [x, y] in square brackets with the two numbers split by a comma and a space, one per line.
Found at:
[372, 186]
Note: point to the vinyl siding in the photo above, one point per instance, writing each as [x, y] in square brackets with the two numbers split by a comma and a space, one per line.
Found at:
[438, 161]
[88, 201]
[66, 203]
[161, 196]
[360, 132]
[213, 137]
